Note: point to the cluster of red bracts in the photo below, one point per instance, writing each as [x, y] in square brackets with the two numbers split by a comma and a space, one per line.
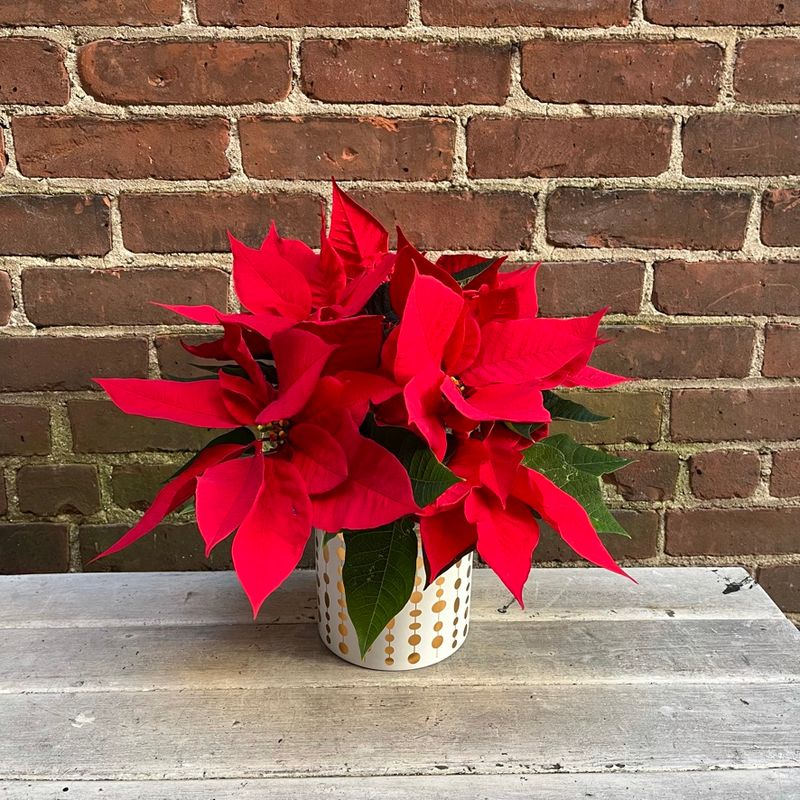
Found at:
[305, 361]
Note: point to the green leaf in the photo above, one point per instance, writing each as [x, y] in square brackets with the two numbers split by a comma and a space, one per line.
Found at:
[429, 477]
[240, 436]
[583, 486]
[563, 408]
[378, 576]
[586, 459]
[465, 275]
[525, 429]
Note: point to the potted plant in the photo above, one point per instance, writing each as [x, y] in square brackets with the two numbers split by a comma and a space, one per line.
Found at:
[400, 408]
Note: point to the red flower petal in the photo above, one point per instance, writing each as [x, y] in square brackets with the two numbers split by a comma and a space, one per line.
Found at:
[357, 340]
[423, 398]
[205, 315]
[272, 537]
[319, 458]
[357, 236]
[446, 537]
[593, 378]
[224, 496]
[499, 402]
[196, 403]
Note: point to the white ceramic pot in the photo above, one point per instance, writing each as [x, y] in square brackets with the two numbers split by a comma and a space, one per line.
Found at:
[432, 626]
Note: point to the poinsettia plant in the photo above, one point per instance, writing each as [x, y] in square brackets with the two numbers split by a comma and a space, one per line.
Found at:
[369, 391]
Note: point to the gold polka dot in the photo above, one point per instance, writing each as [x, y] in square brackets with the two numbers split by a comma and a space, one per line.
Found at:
[326, 578]
[414, 639]
[455, 633]
[413, 658]
[343, 648]
[440, 592]
[417, 612]
[340, 553]
[388, 650]
[416, 597]
[417, 581]
[343, 629]
[458, 583]
[389, 637]
[328, 638]
[420, 563]
[437, 642]
[457, 604]
[327, 599]
[455, 643]
[439, 606]
[390, 624]
[458, 564]
[340, 586]
[389, 662]
[438, 626]
[466, 628]
[415, 626]
[440, 581]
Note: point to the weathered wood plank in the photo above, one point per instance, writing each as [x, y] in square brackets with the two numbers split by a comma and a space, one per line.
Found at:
[401, 730]
[105, 600]
[731, 785]
[283, 656]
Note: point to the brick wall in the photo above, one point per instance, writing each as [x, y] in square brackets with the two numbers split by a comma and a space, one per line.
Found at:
[649, 153]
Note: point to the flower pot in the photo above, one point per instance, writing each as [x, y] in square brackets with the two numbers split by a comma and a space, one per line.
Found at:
[432, 626]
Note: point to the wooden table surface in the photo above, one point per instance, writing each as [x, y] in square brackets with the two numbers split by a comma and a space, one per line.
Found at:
[160, 686]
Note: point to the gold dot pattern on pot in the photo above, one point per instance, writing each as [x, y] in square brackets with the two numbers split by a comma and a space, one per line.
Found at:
[415, 600]
[389, 649]
[343, 618]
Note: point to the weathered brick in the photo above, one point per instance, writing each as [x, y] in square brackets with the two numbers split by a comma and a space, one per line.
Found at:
[558, 13]
[49, 490]
[55, 225]
[171, 547]
[347, 148]
[222, 72]
[724, 474]
[741, 144]
[641, 525]
[456, 220]
[572, 288]
[89, 12]
[300, 13]
[782, 584]
[32, 363]
[732, 531]
[715, 415]
[780, 220]
[721, 12]
[634, 417]
[677, 351]
[174, 361]
[33, 548]
[24, 430]
[699, 220]
[81, 147]
[622, 72]
[385, 71]
[785, 478]
[6, 298]
[32, 71]
[725, 288]
[99, 427]
[136, 485]
[3, 497]
[197, 223]
[768, 71]
[3, 157]
[118, 297]
[651, 476]
[782, 351]
[512, 147]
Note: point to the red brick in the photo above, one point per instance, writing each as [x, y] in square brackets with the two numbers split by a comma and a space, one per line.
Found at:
[174, 361]
[99, 427]
[721, 12]
[67, 363]
[768, 71]
[785, 479]
[49, 490]
[782, 584]
[642, 526]
[6, 298]
[741, 144]
[3, 497]
[732, 531]
[301, 13]
[780, 221]
[677, 351]
[724, 474]
[651, 476]
[197, 223]
[118, 296]
[55, 225]
[572, 288]
[33, 548]
[556, 13]
[716, 415]
[347, 148]
[385, 71]
[222, 72]
[24, 430]
[634, 417]
[701, 220]
[513, 147]
[135, 485]
[80, 147]
[32, 71]
[456, 220]
[782, 351]
[723, 288]
[622, 72]
[89, 12]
